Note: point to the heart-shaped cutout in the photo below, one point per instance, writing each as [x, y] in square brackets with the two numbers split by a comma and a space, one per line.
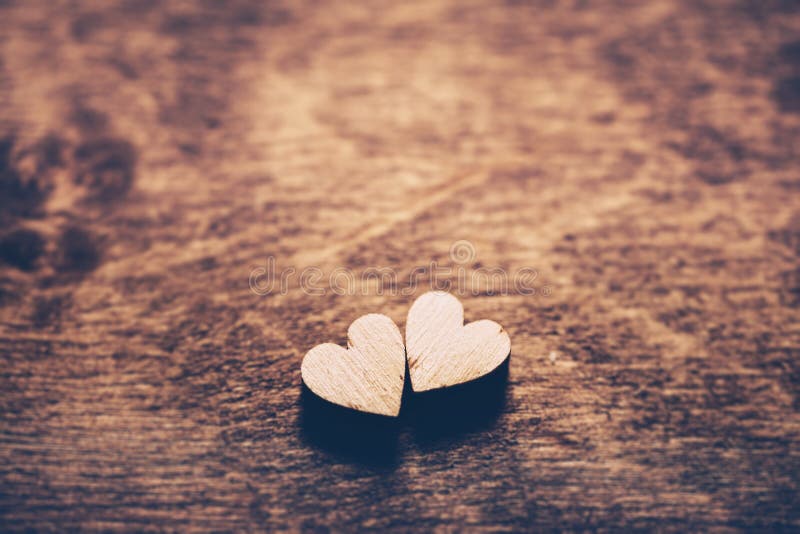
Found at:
[442, 351]
[367, 376]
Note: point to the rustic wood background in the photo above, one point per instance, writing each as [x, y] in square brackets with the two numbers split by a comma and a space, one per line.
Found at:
[641, 156]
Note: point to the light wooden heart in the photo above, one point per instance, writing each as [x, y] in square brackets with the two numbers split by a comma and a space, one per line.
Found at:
[442, 351]
[367, 376]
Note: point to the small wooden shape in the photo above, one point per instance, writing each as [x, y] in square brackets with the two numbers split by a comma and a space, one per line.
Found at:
[442, 351]
[367, 376]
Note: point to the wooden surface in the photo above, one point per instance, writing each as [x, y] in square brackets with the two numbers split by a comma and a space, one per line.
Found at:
[641, 156]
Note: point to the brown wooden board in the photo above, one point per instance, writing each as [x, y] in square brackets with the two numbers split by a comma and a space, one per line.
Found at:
[641, 157]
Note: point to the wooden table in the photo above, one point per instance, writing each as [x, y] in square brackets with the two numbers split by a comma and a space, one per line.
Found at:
[641, 158]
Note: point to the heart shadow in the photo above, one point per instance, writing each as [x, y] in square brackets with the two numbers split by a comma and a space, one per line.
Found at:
[435, 419]
[348, 435]
[442, 416]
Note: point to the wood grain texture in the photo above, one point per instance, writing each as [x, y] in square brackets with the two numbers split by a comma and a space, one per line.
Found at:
[442, 351]
[367, 376]
[640, 156]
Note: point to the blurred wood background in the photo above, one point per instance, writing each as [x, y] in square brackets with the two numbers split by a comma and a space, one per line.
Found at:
[641, 156]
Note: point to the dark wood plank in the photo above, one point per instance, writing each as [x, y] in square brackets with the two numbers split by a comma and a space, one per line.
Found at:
[641, 157]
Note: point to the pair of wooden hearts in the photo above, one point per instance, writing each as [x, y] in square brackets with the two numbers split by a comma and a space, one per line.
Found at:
[368, 376]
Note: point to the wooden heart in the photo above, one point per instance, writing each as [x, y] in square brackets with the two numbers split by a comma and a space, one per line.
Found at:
[367, 376]
[442, 351]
